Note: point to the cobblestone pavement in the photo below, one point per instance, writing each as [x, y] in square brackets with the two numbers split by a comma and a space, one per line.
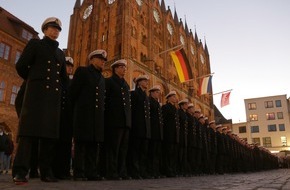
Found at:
[267, 180]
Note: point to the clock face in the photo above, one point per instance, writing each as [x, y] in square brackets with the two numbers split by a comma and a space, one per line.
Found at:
[192, 49]
[87, 12]
[156, 15]
[111, 1]
[182, 40]
[169, 28]
[139, 2]
[201, 58]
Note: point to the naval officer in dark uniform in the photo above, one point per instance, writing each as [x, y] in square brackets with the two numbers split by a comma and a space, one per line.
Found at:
[171, 135]
[87, 94]
[221, 150]
[140, 132]
[62, 161]
[42, 66]
[204, 144]
[191, 139]
[117, 121]
[155, 143]
[183, 166]
[212, 147]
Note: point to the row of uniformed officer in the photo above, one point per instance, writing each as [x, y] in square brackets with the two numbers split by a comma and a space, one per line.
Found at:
[214, 149]
[189, 143]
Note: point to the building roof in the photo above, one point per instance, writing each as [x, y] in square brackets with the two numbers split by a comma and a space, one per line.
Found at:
[13, 26]
[219, 118]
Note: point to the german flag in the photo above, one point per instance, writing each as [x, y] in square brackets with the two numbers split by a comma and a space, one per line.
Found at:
[182, 65]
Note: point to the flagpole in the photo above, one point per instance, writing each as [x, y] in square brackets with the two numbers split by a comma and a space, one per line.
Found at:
[203, 76]
[188, 80]
[222, 92]
[178, 46]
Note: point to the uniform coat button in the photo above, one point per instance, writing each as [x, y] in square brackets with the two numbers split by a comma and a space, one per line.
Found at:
[48, 70]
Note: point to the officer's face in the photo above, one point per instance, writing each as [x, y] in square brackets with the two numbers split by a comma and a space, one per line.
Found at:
[51, 32]
[156, 94]
[98, 63]
[190, 110]
[144, 84]
[196, 114]
[172, 99]
[185, 106]
[121, 70]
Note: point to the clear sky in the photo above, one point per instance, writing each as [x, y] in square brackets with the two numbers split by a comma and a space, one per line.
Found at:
[248, 42]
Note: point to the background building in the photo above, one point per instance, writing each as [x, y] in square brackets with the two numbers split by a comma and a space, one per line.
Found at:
[14, 34]
[268, 122]
[141, 32]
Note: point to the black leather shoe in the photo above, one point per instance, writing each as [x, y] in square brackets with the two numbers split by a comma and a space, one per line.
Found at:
[20, 180]
[48, 179]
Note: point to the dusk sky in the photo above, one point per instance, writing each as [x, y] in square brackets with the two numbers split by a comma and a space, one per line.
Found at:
[248, 42]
